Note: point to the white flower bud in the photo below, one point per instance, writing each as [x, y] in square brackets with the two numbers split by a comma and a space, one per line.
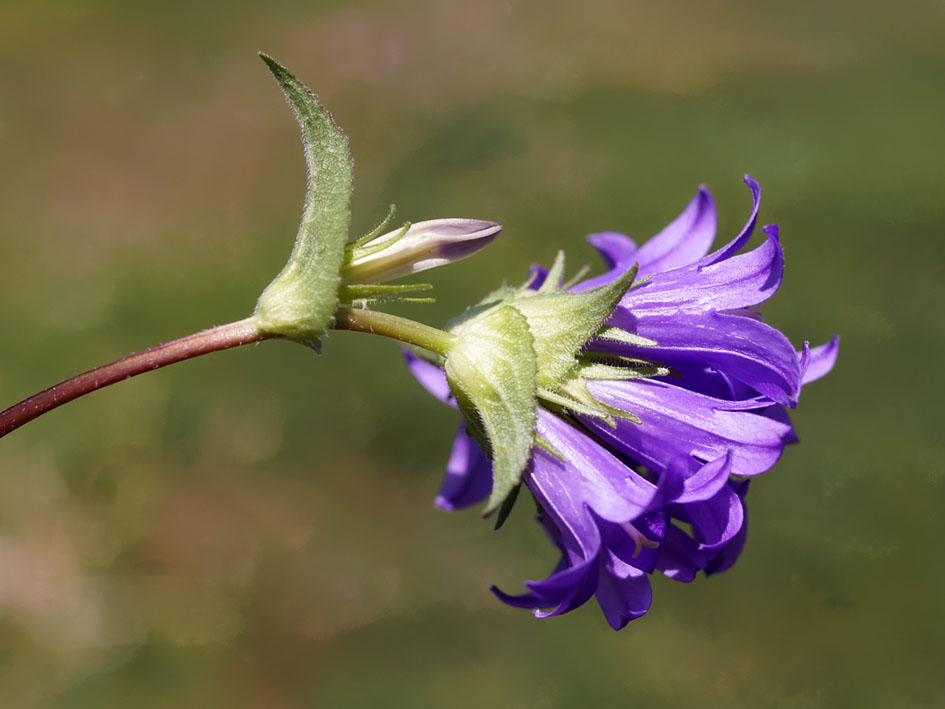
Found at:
[424, 245]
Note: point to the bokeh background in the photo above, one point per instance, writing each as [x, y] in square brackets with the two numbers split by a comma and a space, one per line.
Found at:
[256, 529]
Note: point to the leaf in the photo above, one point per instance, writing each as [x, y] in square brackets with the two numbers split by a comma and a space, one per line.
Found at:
[492, 372]
[300, 301]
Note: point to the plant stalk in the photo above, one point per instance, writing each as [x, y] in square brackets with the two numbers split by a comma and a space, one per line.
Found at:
[407, 331]
[241, 332]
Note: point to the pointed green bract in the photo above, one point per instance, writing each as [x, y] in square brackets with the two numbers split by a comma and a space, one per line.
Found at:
[629, 338]
[373, 292]
[548, 448]
[562, 323]
[598, 370]
[554, 275]
[505, 509]
[580, 405]
[300, 302]
[492, 371]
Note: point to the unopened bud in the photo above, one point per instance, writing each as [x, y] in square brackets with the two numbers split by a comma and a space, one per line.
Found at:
[421, 246]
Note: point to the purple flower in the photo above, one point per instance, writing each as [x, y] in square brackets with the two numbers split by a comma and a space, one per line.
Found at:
[663, 488]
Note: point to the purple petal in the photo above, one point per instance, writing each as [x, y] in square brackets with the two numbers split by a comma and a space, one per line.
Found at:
[524, 600]
[717, 520]
[618, 541]
[618, 250]
[536, 276]
[590, 476]
[678, 423]
[803, 359]
[821, 360]
[680, 557]
[732, 247]
[619, 253]
[623, 592]
[468, 477]
[743, 281]
[565, 514]
[707, 480]
[745, 349]
[780, 414]
[567, 589]
[706, 380]
[430, 377]
[729, 552]
[575, 578]
[685, 240]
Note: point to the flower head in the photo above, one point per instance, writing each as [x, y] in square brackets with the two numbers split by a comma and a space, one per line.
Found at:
[650, 417]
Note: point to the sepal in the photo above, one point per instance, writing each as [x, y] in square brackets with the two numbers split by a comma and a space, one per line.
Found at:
[562, 323]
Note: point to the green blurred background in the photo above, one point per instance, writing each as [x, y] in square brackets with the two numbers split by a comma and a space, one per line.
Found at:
[255, 528]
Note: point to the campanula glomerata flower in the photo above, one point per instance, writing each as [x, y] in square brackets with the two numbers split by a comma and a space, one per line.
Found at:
[646, 439]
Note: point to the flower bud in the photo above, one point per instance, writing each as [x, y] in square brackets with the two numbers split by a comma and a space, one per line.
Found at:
[416, 248]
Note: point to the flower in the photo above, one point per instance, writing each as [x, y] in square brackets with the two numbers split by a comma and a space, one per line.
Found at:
[678, 401]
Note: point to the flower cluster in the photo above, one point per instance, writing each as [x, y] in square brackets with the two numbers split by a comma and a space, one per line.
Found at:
[644, 456]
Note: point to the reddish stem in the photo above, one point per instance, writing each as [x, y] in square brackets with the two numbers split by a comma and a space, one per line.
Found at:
[223, 337]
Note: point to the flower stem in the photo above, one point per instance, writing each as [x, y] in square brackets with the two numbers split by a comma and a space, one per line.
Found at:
[413, 333]
[241, 332]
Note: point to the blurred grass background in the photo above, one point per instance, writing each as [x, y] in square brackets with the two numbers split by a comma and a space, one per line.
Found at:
[255, 528]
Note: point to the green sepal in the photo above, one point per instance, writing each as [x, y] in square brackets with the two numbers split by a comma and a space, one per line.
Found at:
[621, 414]
[599, 370]
[376, 231]
[580, 404]
[546, 446]
[300, 301]
[371, 291]
[492, 370]
[554, 276]
[618, 335]
[562, 323]
[576, 278]
[496, 298]
[361, 250]
[589, 355]
[506, 508]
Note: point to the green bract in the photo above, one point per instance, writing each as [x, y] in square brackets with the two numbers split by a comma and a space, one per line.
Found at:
[491, 370]
[563, 322]
[523, 346]
[300, 302]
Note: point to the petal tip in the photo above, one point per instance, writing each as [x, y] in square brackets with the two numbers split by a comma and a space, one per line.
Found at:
[772, 231]
[444, 504]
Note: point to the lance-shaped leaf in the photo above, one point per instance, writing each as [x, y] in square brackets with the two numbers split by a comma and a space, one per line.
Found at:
[301, 300]
[492, 372]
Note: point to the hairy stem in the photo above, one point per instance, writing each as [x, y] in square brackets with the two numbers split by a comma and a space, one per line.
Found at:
[223, 337]
[413, 333]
